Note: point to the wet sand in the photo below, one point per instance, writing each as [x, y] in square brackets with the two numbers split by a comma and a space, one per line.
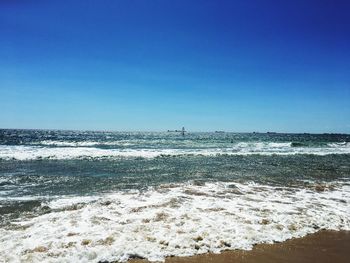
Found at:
[321, 247]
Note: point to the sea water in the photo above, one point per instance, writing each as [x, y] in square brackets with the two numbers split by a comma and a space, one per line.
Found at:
[80, 196]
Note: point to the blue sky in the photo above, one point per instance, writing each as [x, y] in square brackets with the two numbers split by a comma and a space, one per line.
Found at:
[157, 65]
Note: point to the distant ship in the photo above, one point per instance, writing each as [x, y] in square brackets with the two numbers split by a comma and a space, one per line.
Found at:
[183, 131]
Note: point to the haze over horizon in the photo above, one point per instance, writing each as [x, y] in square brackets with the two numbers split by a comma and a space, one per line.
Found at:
[239, 66]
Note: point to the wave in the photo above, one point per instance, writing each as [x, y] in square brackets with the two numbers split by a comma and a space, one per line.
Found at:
[186, 143]
[174, 220]
[339, 144]
[81, 143]
[298, 144]
[21, 152]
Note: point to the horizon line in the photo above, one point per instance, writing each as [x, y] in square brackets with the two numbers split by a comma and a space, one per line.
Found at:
[172, 131]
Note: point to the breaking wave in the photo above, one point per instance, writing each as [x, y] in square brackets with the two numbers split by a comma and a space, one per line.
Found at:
[174, 220]
[23, 152]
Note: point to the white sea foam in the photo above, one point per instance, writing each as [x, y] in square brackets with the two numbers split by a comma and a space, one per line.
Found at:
[36, 152]
[67, 143]
[179, 220]
[339, 144]
[22, 152]
[83, 143]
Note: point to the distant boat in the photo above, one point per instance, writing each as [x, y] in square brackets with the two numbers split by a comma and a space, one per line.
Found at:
[219, 131]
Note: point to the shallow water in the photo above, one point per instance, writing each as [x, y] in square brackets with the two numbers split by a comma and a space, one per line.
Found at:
[78, 195]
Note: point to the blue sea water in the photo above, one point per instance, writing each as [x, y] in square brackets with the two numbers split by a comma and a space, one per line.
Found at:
[99, 195]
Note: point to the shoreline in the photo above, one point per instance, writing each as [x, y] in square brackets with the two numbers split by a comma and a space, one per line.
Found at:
[323, 246]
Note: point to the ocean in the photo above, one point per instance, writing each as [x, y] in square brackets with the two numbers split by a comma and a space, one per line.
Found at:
[83, 196]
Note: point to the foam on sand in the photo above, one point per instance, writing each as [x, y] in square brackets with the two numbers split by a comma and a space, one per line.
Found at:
[174, 220]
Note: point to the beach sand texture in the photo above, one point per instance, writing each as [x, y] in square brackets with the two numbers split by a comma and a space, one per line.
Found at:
[321, 247]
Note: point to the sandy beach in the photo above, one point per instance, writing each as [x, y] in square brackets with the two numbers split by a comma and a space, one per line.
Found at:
[321, 247]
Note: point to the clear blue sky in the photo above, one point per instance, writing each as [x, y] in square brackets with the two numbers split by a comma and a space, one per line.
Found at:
[156, 65]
